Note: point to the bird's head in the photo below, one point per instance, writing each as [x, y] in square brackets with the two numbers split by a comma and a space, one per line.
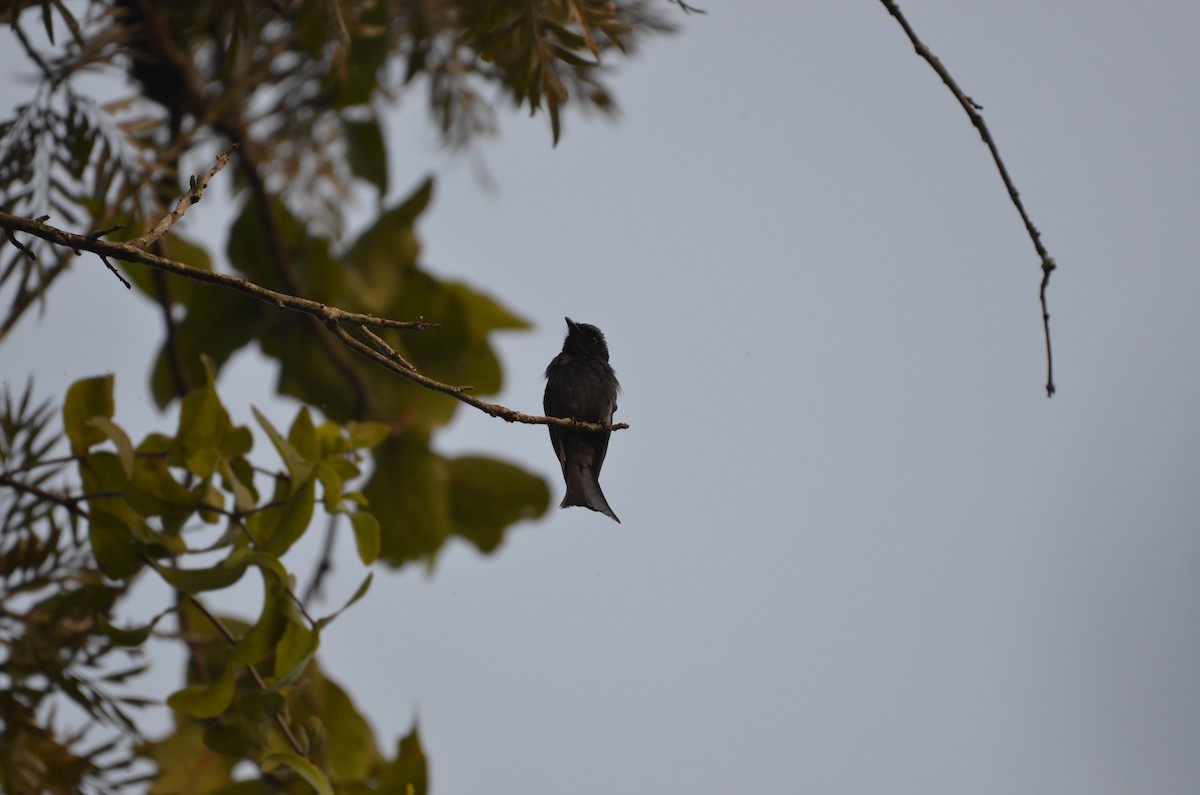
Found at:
[585, 341]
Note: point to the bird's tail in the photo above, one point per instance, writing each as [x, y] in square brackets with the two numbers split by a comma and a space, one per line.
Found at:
[584, 491]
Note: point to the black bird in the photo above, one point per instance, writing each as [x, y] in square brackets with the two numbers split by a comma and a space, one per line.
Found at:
[580, 385]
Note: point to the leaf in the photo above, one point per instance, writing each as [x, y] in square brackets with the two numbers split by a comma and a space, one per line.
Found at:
[366, 152]
[87, 398]
[295, 649]
[302, 767]
[331, 486]
[358, 594]
[244, 730]
[487, 495]
[239, 478]
[118, 437]
[201, 421]
[131, 638]
[205, 701]
[408, 772]
[186, 764]
[155, 492]
[413, 510]
[367, 55]
[366, 536]
[353, 754]
[211, 501]
[282, 527]
[205, 330]
[113, 544]
[298, 467]
[302, 436]
[261, 639]
[224, 574]
[367, 434]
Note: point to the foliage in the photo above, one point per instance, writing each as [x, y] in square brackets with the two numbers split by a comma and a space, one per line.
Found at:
[153, 509]
[299, 86]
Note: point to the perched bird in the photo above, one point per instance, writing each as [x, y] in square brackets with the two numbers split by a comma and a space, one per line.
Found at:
[580, 385]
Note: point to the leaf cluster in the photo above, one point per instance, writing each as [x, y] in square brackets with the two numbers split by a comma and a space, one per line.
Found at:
[299, 86]
[254, 690]
[56, 609]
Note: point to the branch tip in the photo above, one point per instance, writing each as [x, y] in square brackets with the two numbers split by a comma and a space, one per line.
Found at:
[972, 108]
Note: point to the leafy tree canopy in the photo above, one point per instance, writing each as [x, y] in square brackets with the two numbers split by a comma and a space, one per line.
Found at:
[299, 87]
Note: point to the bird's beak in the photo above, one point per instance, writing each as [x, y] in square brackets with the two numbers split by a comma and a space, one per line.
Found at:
[571, 324]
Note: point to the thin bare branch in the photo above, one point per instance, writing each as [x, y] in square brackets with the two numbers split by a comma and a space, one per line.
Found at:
[402, 368]
[195, 193]
[972, 108]
[333, 318]
[116, 272]
[62, 500]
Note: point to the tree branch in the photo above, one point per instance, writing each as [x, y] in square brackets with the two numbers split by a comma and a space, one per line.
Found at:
[972, 110]
[196, 186]
[333, 318]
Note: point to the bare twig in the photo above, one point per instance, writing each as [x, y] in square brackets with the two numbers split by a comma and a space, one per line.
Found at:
[115, 272]
[391, 352]
[196, 186]
[972, 109]
[333, 318]
[402, 368]
[24, 249]
[62, 500]
[127, 252]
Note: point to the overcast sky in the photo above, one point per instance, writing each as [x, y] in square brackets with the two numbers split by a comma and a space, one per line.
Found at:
[861, 551]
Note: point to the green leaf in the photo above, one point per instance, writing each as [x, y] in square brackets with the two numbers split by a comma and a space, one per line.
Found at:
[154, 491]
[364, 435]
[301, 767]
[366, 152]
[413, 509]
[131, 638]
[302, 436]
[211, 501]
[244, 730]
[205, 701]
[353, 753]
[247, 248]
[298, 467]
[185, 764]
[224, 574]
[112, 540]
[118, 437]
[331, 486]
[260, 641]
[238, 477]
[201, 421]
[367, 56]
[205, 330]
[295, 649]
[366, 536]
[87, 398]
[358, 594]
[282, 527]
[487, 495]
[408, 772]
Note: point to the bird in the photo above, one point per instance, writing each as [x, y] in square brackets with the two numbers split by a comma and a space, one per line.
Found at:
[581, 385]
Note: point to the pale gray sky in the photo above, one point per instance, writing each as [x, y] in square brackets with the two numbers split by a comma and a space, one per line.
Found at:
[861, 552]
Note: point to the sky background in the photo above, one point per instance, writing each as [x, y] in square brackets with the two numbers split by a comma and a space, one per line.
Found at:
[861, 551]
